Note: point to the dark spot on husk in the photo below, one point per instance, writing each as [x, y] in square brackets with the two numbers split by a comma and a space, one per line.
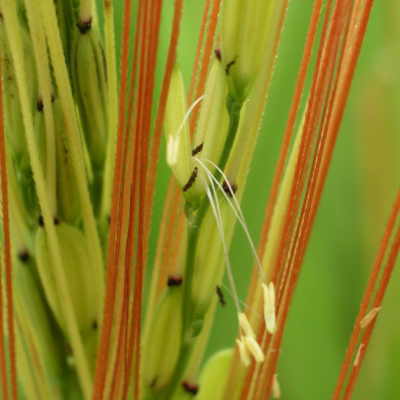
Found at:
[24, 256]
[229, 188]
[221, 296]
[174, 280]
[197, 149]
[229, 66]
[191, 180]
[84, 26]
[191, 388]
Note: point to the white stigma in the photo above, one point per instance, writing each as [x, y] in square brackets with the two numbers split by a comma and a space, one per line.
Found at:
[245, 325]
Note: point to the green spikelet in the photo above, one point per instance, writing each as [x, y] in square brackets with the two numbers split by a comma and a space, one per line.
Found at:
[38, 353]
[40, 131]
[90, 87]
[245, 26]
[209, 266]
[214, 376]
[212, 128]
[69, 207]
[162, 350]
[13, 114]
[78, 271]
[176, 127]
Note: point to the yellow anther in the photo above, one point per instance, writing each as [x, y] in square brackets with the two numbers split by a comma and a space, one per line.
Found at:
[245, 325]
[369, 317]
[254, 348]
[243, 353]
[269, 307]
[276, 388]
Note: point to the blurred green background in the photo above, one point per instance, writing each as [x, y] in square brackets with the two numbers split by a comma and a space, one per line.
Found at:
[359, 192]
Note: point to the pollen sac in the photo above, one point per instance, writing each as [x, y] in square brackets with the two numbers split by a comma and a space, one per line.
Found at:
[243, 352]
[276, 388]
[245, 326]
[90, 87]
[161, 350]
[254, 348]
[176, 127]
[245, 27]
[77, 269]
[212, 127]
[269, 307]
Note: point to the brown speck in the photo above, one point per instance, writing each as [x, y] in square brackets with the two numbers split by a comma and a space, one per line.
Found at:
[174, 280]
[191, 388]
[24, 256]
[229, 66]
[56, 221]
[221, 296]
[84, 26]
[40, 105]
[191, 180]
[229, 188]
[197, 149]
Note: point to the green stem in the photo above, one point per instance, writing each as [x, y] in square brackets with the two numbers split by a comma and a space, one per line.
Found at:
[234, 106]
[112, 112]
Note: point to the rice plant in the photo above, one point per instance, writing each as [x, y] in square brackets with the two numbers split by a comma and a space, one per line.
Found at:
[102, 294]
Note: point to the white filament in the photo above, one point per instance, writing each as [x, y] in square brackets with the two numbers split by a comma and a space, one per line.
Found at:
[235, 206]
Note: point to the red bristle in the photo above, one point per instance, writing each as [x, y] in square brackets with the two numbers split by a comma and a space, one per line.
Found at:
[147, 77]
[199, 51]
[366, 337]
[293, 115]
[129, 203]
[134, 198]
[7, 244]
[322, 81]
[336, 89]
[7, 261]
[112, 266]
[173, 218]
[367, 303]
[156, 139]
[206, 58]
[136, 113]
[175, 225]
